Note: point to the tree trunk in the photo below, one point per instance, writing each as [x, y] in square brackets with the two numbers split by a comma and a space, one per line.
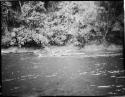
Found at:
[20, 6]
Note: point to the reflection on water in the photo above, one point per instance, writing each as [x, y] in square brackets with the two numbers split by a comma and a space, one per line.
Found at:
[86, 76]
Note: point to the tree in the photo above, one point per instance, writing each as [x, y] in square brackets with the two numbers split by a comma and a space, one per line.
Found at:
[60, 23]
[110, 14]
[74, 18]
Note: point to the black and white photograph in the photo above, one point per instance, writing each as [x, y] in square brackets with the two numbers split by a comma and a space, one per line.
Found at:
[62, 48]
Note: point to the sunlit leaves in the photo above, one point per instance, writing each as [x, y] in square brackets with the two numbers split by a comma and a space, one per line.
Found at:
[53, 23]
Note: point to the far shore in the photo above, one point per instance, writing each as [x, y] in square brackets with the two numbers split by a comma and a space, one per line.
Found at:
[65, 50]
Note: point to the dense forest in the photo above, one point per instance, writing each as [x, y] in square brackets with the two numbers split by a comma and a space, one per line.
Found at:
[60, 23]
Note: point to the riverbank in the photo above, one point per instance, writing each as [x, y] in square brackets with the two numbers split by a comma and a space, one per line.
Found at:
[66, 50]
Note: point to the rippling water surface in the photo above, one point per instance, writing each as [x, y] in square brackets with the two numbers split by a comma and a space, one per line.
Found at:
[27, 74]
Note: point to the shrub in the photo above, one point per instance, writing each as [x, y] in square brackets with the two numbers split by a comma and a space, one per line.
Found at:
[6, 41]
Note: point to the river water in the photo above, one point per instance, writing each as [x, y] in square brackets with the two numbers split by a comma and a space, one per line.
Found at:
[28, 75]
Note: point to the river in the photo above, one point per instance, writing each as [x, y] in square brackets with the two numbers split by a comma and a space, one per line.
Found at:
[26, 74]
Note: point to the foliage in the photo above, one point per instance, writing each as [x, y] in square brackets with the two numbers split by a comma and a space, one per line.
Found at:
[110, 17]
[60, 23]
